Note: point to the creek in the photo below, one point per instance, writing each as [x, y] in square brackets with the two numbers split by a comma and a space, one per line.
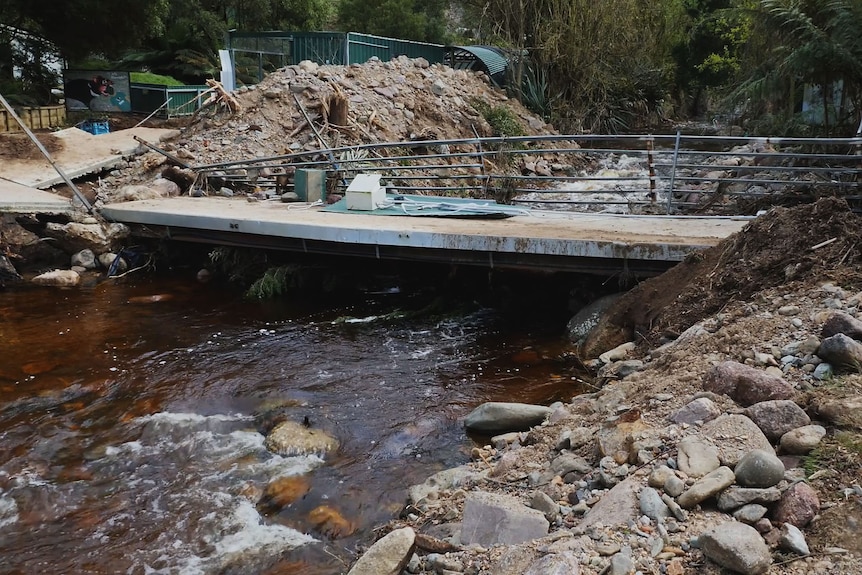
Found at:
[127, 433]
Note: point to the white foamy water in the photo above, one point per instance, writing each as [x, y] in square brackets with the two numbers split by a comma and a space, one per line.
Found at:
[200, 523]
[622, 182]
[8, 511]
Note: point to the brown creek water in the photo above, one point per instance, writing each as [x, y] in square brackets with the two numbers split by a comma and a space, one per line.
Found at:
[127, 439]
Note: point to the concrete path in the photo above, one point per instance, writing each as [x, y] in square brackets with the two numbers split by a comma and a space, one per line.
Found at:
[541, 240]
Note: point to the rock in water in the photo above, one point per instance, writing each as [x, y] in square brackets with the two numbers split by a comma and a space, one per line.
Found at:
[388, 556]
[497, 417]
[58, 278]
[738, 547]
[292, 438]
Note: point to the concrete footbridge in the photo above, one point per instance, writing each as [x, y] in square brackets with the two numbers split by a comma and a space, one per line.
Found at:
[471, 233]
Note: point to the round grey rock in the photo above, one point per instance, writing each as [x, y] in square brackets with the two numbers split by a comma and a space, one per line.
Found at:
[759, 468]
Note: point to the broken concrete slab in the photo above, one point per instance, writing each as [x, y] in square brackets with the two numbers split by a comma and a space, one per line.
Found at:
[19, 199]
[81, 153]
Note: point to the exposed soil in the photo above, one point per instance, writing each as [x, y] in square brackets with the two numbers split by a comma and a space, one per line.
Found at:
[17, 146]
[821, 241]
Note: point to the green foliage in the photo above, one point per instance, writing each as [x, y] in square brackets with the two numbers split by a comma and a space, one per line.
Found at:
[536, 92]
[238, 265]
[799, 42]
[150, 78]
[420, 20]
[276, 281]
[502, 120]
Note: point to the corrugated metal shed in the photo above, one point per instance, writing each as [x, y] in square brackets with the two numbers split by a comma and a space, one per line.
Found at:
[489, 59]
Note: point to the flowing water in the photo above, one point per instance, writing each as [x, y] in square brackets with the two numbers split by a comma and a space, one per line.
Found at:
[128, 442]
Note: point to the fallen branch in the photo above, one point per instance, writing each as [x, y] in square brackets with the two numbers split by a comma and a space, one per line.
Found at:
[222, 96]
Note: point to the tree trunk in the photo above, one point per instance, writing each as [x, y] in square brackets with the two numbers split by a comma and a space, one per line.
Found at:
[338, 107]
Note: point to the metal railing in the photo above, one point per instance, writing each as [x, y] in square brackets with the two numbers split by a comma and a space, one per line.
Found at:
[671, 174]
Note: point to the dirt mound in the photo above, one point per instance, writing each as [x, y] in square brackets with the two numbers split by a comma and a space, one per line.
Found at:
[19, 146]
[400, 100]
[817, 241]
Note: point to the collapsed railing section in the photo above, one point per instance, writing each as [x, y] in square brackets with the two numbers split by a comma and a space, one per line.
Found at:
[678, 174]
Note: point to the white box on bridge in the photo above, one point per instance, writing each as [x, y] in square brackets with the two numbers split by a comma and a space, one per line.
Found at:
[365, 193]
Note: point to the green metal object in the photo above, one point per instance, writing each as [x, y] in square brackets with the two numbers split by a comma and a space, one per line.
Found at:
[310, 185]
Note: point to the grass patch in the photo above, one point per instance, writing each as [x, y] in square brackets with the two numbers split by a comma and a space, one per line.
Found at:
[841, 453]
[150, 78]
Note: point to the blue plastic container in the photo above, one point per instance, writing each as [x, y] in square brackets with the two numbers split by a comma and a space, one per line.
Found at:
[96, 127]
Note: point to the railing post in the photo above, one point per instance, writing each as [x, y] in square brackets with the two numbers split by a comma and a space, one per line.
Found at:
[673, 172]
[651, 167]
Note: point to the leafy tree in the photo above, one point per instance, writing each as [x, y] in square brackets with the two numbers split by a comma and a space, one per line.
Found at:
[798, 42]
[423, 21]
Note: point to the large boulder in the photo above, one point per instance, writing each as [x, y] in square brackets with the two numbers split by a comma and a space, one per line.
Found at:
[745, 384]
[58, 278]
[842, 352]
[499, 417]
[734, 436]
[737, 547]
[776, 417]
[495, 519]
[77, 236]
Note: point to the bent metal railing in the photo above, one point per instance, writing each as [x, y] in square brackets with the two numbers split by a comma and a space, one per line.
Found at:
[661, 174]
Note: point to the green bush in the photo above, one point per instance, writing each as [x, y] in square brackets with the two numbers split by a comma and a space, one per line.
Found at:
[502, 120]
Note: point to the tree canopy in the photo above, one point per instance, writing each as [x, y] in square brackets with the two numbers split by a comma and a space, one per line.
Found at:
[601, 65]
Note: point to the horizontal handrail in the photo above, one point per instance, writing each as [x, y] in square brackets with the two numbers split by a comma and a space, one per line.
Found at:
[664, 171]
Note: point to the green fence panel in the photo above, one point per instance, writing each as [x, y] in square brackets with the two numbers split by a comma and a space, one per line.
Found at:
[185, 100]
[362, 47]
[146, 98]
[320, 47]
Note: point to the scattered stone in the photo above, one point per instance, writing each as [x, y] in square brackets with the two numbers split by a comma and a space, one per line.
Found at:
[801, 440]
[541, 501]
[452, 478]
[777, 417]
[734, 436]
[706, 487]
[58, 278]
[496, 417]
[283, 491]
[696, 457]
[699, 410]
[737, 547]
[751, 513]
[618, 353]
[574, 438]
[440, 563]
[745, 384]
[494, 519]
[759, 468]
[651, 504]
[674, 486]
[823, 371]
[659, 476]
[293, 438]
[734, 497]
[85, 259]
[565, 563]
[619, 506]
[793, 540]
[569, 462]
[842, 352]
[388, 556]
[797, 506]
[677, 511]
[621, 564]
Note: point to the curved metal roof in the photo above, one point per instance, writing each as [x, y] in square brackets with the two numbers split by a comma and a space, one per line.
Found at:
[491, 60]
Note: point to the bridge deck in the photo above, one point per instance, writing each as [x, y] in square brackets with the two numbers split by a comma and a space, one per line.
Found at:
[541, 240]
